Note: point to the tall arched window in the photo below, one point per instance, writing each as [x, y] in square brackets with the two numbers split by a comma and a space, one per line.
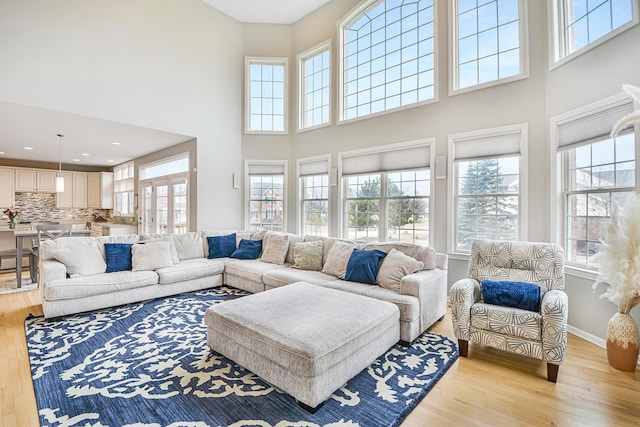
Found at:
[387, 57]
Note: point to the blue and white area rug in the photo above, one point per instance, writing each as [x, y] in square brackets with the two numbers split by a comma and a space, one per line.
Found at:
[148, 364]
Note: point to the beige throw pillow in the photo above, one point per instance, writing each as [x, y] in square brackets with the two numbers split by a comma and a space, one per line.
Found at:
[275, 249]
[80, 255]
[308, 256]
[151, 256]
[337, 259]
[394, 267]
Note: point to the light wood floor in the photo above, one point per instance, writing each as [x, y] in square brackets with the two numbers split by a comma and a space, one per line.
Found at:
[489, 387]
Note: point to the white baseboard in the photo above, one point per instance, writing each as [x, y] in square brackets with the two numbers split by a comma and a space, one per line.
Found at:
[587, 336]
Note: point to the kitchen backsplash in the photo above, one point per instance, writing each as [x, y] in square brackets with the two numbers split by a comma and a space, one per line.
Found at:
[42, 207]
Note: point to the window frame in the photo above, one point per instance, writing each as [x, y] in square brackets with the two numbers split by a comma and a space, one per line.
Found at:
[520, 131]
[558, 173]
[251, 60]
[523, 25]
[426, 143]
[557, 37]
[281, 166]
[325, 161]
[348, 18]
[301, 58]
[130, 181]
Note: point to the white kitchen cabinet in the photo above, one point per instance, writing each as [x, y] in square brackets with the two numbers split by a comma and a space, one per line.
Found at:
[25, 180]
[112, 229]
[79, 184]
[100, 190]
[65, 199]
[46, 181]
[7, 194]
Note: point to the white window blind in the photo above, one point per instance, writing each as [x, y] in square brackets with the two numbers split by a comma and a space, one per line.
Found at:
[313, 166]
[478, 146]
[417, 157]
[266, 168]
[584, 128]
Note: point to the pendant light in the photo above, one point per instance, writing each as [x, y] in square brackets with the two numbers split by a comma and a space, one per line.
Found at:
[60, 178]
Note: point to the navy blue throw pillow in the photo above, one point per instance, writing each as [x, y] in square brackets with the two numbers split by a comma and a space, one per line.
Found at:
[248, 249]
[118, 256]
[221, 246]
[523, 295]
[363, 266]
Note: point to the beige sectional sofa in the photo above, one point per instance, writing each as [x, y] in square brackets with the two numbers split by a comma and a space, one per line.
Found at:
[73, 280]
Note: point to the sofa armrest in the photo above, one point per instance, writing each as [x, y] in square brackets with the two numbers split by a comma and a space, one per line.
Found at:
[555, 312]
[464, 293]
[430, 287]
[50, 270]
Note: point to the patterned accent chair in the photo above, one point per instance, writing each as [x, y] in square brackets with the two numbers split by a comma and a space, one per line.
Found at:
[541, 335]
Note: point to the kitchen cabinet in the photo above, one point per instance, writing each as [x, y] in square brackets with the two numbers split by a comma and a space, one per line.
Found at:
[35, 180]
[26, 180]
[100, 190]
[7, 194]
[46, 181]
[112, 229]
[79, 184]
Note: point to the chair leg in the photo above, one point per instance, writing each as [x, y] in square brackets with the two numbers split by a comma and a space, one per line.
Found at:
[552, 372]
[463, 347]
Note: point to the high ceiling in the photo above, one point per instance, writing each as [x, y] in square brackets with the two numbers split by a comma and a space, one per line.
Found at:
[267, 11]
[24, 126]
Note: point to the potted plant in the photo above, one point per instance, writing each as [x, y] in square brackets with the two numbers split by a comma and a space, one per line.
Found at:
[12, 214]
[619, 265]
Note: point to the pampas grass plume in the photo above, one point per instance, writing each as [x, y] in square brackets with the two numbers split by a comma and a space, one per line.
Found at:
[620, 258]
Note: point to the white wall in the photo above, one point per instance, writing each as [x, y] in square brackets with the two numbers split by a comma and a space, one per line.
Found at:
[596, 75]
[172, 65]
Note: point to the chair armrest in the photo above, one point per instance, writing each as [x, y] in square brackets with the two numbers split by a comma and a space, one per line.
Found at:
[555, 311]
[464, 293]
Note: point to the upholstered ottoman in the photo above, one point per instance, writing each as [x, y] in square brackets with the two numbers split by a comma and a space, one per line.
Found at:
[304, 339]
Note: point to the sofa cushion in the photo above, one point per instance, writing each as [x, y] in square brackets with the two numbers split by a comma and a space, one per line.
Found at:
[506, 321]
[80, 255]
[409, 305]
[221, 246]
[120, 238]
[247, 249]
[118, 256]
[275, 248]
[188, 245]
[151, 256]
[395, 266]
[336, 261]
[308, 255]
[363, 265]
[98, 284]
[148, 238]
[424, 254]
[327, 243]
[287, 276]
[190, 269]
[250, 269]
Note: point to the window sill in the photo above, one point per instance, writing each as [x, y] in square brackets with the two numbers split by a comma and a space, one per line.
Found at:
[581, 272]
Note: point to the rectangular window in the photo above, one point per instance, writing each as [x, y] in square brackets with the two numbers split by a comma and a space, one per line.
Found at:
[315, 89]
[266, 195]
[488, 186]
[388, 207]
[580, 24]
[266, 95]
[598, 175]
[315, 205]
[489, 42]
[487, 201]
[123, 189]
[595, 171]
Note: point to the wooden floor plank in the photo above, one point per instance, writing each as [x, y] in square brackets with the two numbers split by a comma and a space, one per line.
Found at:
[487, 388]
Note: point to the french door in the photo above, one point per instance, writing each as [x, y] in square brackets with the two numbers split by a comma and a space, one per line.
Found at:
[164, 205]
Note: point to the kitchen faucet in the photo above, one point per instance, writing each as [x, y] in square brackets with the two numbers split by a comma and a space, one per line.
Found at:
[120, 221]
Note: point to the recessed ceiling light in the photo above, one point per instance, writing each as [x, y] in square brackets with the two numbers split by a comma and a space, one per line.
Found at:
[110, 161]
[28, 148]
[86, 154]
[2, 152]
[76, 160]
[116, 143]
